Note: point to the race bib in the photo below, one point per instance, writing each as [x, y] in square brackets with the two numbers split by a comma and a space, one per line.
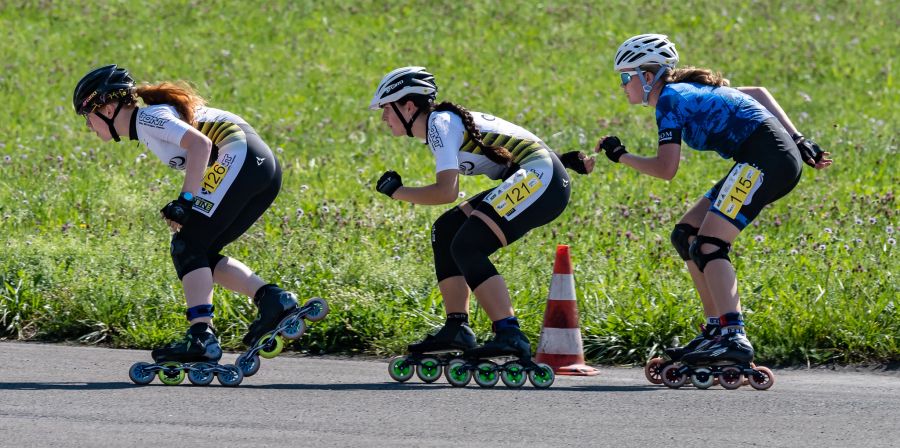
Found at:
[213, 177]
[507, 196]
[738, 189]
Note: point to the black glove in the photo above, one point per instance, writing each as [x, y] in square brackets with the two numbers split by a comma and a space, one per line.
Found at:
[613, 148]
[574, 160]
[389, 183]
[179, 210]
[809, 150]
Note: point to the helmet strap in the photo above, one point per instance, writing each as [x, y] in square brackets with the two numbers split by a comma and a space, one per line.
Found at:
[406, 124]
[649, 87]
[110, 122]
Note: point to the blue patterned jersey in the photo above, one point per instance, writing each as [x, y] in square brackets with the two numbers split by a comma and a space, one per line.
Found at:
[707, 118]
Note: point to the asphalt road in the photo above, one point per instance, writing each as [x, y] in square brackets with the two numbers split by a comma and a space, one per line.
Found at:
[57, 395]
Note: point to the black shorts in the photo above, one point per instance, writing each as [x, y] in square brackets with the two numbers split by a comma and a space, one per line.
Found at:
[252, 190]
[767, 167]
[544, 209]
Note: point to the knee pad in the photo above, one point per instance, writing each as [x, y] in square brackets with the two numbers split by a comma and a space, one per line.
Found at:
[200, 311]
[702, 259]
[186, 257]
[680, 237]
[442, 233]
[471, 247]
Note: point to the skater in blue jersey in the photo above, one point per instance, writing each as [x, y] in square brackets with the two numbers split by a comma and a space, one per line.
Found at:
[746, 124]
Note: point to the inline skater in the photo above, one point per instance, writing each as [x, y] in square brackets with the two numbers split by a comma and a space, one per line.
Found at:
[533, 192]
[696, 106]
[231, 178]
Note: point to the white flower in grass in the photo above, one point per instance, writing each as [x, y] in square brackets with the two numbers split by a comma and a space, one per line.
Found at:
[396, 258]
[324, 209]
[304, 187]
[805, 97]
[873, 220]
[858, 241]
[759, 238]
[7, 159]
[891, 241]
[794, 252]
[822, 246]
[847, 247]
[300, 213]
[462, 194]
[857, 221]
[889, 230]
[827, 230]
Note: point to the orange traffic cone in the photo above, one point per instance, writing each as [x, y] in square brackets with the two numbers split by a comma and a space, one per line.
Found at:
[560, 345]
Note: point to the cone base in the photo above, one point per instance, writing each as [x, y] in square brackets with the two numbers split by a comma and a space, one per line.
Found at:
[576, 370]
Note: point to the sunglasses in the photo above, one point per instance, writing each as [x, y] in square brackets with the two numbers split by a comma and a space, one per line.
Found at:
[626, 76]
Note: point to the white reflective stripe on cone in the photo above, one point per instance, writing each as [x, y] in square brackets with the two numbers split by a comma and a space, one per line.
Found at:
[560, 341]
[562, 287]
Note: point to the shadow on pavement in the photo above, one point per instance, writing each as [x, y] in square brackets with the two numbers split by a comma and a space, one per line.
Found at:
[417, 386]
[67, 386]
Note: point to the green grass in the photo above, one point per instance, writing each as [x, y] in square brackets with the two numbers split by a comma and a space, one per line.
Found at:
[86, 258]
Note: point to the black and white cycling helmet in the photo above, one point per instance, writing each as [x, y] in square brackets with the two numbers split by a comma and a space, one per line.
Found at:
[102, 86]
[646, 49]
[402, 82]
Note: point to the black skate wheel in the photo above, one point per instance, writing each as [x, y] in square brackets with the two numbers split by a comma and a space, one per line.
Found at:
[140, 373]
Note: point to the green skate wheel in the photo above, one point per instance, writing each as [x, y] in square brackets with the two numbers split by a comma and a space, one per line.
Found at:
[201, 374]
[272, 345]
[457, 374]
[231, 376]
[172, 373]
[140, 373]
[672, 378]
[319, 309]
[731, 378]
[702, 378]
[296, 329]
[762, 378]
[429, 370]
[542, 377]
[653, 370]
[513, 375]
[399, 370]
[249, 365]
[486, 374]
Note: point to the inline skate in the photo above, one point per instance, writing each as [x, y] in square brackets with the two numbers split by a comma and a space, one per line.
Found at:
[728, 361]
[279, 318]
[429, 357]
[508, 343]
[653, 369]
[196, 355]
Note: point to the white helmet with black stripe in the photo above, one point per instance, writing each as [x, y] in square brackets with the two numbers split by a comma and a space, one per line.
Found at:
[646, 49]
[402, 82]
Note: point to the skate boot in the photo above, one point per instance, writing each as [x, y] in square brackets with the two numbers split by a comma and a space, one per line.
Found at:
[279, 318]
[508, 342]
[653, 369]
[196, 354]
[728, 360]
[452, 338]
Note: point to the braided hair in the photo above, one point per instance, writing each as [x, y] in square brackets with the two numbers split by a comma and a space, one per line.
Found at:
[496, 154]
